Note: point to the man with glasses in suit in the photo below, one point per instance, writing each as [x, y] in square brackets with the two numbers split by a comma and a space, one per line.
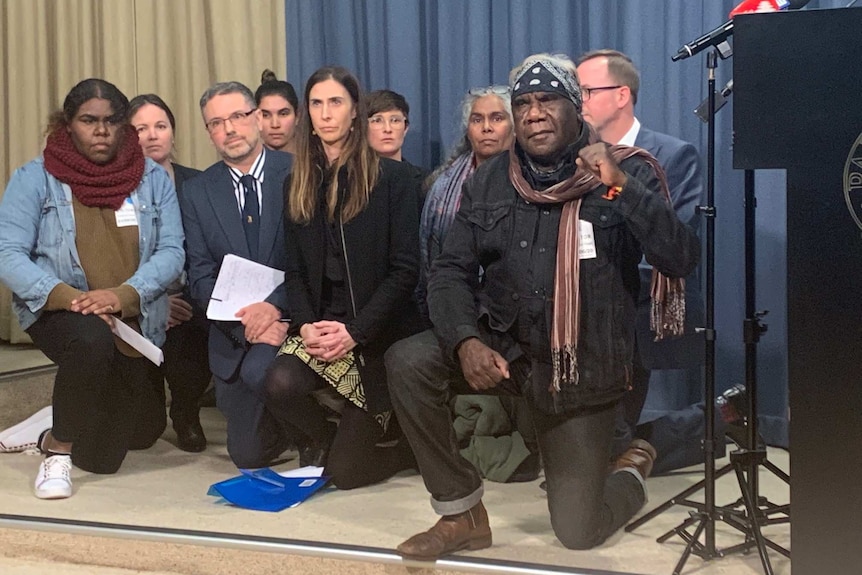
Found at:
[235, 207]
[610, 83]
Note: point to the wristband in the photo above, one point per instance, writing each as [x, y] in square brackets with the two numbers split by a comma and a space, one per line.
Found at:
[612, 193]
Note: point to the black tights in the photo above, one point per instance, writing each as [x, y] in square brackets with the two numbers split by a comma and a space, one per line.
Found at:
[354, 460]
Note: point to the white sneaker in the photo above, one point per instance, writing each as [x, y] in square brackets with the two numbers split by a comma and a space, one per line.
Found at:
[25, 435]
[54, 480]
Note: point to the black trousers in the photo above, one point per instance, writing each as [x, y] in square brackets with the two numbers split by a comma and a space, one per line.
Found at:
[355, 459]
[105, 403]
[586, 504]
[186, 367]
[630, 408]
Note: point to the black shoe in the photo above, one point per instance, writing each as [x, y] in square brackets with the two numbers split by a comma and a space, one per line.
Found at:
[313, 455]
[733, 407]
[190, 434]
[528, 470]
[208, 398]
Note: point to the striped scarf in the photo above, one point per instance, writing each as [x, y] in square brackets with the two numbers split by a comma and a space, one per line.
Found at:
[668, 295]
[438, 213]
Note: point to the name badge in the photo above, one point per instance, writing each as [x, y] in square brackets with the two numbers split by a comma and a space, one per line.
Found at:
[126, 215]
[586, 241]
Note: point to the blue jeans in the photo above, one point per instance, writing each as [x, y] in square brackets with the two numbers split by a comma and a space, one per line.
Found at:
[586, 503]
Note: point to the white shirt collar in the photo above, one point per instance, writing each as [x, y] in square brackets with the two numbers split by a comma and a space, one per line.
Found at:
[629, 137]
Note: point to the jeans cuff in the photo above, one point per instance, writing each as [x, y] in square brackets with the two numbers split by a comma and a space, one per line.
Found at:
[637, 476]
[459, 505]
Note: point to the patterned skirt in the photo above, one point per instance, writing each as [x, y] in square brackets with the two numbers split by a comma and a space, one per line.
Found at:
[342, 374]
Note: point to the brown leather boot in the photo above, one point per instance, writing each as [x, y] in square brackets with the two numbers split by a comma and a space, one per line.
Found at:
[640, 455]
[469, 530]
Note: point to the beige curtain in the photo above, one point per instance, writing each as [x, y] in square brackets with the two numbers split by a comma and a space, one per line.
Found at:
[174, 48]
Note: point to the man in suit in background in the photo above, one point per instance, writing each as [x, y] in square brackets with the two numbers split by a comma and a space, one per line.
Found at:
[235, 207]
[610, 83]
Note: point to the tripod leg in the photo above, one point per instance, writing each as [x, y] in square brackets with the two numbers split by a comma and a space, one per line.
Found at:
[679, 528]
[691, 543]
[753, 512]
[679, 498]
[776, 471]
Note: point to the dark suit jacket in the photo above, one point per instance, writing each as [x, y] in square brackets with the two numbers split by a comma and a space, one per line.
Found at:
[182, 174]
[383, 255]
[213, 229]
[682, 166]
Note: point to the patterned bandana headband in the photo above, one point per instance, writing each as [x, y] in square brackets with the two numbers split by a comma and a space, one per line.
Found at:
[543, 75]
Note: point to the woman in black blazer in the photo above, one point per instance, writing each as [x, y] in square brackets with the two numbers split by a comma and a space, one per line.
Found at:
[351, 229]
[186, 366]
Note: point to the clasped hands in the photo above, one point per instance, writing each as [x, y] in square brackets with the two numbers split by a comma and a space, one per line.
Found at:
[262, 322]
[326, 340]
[101, 302]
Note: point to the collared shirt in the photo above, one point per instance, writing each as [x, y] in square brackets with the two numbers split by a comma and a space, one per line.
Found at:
[629, 138]
[256, 172]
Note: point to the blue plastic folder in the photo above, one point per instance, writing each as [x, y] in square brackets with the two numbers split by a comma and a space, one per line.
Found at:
[266, 490]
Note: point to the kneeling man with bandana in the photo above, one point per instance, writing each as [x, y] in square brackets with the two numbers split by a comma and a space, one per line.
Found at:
[557, 224]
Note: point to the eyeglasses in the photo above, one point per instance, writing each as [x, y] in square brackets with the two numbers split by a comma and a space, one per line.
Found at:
[378, 122]
[217, 124]
[588, 92]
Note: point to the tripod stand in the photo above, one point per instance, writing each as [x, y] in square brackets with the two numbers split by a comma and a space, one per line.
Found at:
[752, 511]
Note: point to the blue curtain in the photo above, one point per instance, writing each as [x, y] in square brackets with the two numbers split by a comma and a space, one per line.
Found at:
[434, 51]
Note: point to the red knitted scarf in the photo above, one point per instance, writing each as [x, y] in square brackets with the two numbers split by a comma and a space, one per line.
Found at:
[96, 185]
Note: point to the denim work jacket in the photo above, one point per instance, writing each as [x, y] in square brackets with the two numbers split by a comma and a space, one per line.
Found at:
[38, 251]
[510, 308]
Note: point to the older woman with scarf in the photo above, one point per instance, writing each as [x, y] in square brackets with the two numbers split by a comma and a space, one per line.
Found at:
[495, 433]
[486, 124]
[90, 236]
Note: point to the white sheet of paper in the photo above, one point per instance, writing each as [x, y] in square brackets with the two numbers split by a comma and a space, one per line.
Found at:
[139, 342]
[241, 282]
[307, 471]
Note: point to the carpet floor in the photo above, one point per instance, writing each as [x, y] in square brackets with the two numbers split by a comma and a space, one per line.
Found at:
[166, 487]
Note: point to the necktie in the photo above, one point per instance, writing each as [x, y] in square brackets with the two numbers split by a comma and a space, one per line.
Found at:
[250, 215]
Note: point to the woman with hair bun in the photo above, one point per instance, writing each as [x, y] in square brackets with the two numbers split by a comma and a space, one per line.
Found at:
[277, 102]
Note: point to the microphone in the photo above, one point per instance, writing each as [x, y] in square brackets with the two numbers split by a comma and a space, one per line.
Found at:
[711, 38]
[720, 35]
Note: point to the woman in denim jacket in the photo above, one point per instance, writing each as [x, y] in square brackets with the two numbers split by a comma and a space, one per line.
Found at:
[90, 235]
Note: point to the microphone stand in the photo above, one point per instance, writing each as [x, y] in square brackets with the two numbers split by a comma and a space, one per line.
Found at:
[745, 461]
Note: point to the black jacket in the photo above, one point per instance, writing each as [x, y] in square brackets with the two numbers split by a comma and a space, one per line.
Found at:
[383, 258]
[510, 307]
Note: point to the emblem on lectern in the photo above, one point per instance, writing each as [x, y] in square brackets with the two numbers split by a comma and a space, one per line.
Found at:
[853, 181]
